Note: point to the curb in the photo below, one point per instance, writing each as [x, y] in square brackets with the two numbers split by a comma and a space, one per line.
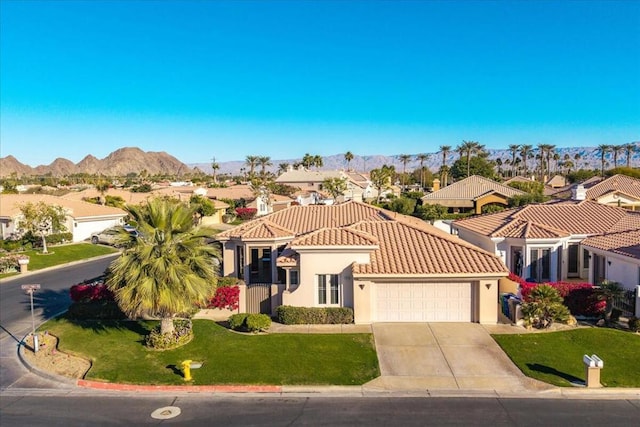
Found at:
[44, 374]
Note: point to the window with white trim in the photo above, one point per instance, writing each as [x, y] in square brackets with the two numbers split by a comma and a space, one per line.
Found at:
[328, 289]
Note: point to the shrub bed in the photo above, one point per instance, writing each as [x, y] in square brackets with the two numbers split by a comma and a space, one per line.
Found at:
[182, 334]
[289, 315]
[249, 322]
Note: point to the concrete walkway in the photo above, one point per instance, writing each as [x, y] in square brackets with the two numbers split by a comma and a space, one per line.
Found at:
[445, 356]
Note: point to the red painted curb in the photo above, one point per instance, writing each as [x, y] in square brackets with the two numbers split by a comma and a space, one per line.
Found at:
[182, 388]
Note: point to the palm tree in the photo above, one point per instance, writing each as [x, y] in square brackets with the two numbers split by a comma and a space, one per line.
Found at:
[169, 268]
[251, 161]
[525, 150]
[404, 159]
[282, 167]
[445, 150]
[215, 166]
[616, 149]
[307, 160]
[348, 156]
[469, 148]
[422, 157]
[317, 161]
[608, 292]
[264, 161]
[629, 149]
[603, 149]
[513, 148]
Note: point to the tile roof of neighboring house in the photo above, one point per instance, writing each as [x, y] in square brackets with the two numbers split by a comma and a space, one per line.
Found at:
[405, 249]
[616, 183]
[557, 181]
[566, 191]
[557, 218]
[399, 244]
[623, 243]
[131, 198]
[258, 229]
[472, 188]
[517, 178]
[306, 176]
[335, 237]
[10, 206]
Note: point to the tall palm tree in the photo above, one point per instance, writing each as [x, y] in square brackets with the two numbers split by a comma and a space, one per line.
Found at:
[513, 148]
[422, 157]
[470, 148]
[307, 160]
[444, 150]
[282, 167]
[317, 161]
[169, 268]
[348, 156]
[603, 149]
[629, 149]
[265, 162]
[215, 166]
[616, 149]
[251, 161]
[525, 150]
[404, 159]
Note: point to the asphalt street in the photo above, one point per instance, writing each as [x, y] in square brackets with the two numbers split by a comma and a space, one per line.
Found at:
[201, 410]
[51, 299]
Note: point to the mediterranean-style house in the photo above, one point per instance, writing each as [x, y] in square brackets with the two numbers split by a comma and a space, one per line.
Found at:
[470, 194]
[618, 190]
[83, 218]
[387, 267]
[545, 242]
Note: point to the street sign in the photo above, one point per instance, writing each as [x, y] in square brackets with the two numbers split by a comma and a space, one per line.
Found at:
[30, 287]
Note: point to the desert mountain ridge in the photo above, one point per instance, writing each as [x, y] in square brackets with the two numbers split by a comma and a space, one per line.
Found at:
[134, 160]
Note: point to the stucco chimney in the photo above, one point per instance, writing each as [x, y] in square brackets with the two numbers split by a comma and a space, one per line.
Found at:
[579, 193]
[436, 184]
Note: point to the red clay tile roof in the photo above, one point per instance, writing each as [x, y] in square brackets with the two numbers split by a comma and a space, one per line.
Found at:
[617, 183]
[564, 217]
[10, 206]
[288, 257]
[335, 237]
[258, 229]
[624, 243]
[471, 188]
[409, 250]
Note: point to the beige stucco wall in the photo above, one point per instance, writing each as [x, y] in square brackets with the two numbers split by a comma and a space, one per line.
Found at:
[486, 296]
[363, 304]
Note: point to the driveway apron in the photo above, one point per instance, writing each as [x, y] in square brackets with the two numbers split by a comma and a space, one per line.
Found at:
[443, 356]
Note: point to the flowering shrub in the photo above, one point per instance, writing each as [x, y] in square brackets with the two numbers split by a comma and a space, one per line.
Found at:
[580, 298]
[226, 297]
[90, 292]
[246, 213]
[10, 264]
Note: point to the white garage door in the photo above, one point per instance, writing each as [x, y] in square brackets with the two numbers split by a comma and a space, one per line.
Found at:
[423, 302]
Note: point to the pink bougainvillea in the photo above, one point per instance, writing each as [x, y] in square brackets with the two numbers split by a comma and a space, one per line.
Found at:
[86, 292]
[246, 213]
[226, 297]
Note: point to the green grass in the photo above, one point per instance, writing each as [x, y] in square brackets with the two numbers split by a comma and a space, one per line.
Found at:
[63, 254]
[556, 357]
[118, 354]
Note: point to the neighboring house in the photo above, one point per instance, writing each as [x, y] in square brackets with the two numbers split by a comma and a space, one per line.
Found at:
[83, 218]
[471, 194]
[618, 190]
[268, 204]
[359, 188]
[386, 266]
[557, 181]
[543, 241]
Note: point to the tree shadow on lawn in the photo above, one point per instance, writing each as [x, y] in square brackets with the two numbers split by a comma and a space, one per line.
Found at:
[544, 369]
[99, 326]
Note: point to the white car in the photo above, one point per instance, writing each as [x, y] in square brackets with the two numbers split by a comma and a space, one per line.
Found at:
[113, 236]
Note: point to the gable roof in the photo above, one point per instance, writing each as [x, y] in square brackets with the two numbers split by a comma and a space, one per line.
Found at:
[625, 243]
[10, 206]
[306, 176]
[554, 219]
[472, 188]
[616, 183]
[336, 237]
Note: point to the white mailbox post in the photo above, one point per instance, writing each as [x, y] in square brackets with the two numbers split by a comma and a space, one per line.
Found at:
[592, 366]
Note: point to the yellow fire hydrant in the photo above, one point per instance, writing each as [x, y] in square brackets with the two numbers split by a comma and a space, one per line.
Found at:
[186, 369]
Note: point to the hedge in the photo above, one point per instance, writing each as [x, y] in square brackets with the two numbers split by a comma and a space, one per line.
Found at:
[289, 315]
[249, 322]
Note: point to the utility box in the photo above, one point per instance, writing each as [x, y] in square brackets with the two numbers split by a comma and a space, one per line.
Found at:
[592, 366]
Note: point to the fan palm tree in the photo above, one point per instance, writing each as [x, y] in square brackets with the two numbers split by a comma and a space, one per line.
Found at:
[468, 149]
[317, 161]
[603, 149]
[348, 156]
[404, 159]
[445, 150]
[169, 267]
[629, 149]
[283, 167]
[215, 166]
[307, 160]
[525, 150]
[422, 157]
[616, 149]
[251, 161]
[608, 292]
[513, 148]
[265, 162]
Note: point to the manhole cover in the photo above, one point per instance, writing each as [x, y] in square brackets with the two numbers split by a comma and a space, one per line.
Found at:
[166, 413]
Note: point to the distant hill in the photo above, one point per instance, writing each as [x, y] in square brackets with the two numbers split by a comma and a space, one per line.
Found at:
[134, 160]
[589, 158]
[119, 163]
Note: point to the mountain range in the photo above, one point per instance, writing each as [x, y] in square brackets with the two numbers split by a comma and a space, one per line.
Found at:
[134, 160]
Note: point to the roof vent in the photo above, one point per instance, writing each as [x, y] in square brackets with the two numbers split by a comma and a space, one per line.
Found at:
[579, 193]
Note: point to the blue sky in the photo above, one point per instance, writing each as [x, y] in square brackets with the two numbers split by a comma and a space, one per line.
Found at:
[207, 79]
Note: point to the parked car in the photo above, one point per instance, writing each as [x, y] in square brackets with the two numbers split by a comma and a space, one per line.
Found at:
[113, 236]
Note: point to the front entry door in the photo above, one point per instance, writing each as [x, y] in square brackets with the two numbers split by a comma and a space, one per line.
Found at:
[540, 265]
[573, 267]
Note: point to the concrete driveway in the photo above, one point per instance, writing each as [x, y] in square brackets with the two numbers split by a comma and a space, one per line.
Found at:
[443, 356]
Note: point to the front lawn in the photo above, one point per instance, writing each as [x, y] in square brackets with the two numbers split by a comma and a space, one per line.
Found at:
[556, 357]
[118, 354]
[65, 253]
